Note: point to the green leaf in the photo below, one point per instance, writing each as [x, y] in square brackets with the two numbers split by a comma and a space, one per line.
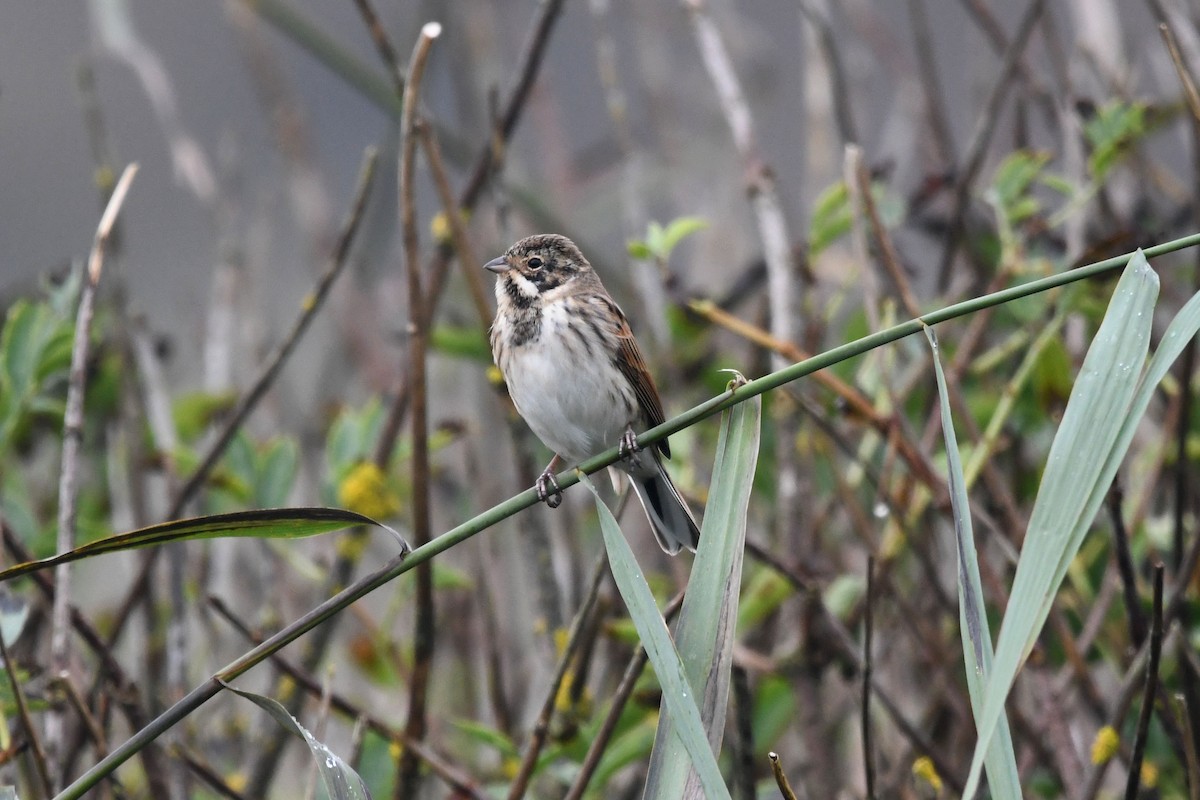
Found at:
[487, 735]
[628, 747]
[1082, 462]
[831, 219]
[20, 346]
[677, 694]
[1003, 779]
[1110, 133]
[339, 778]
[639, 250]
[274, 523]
[679, 229]
[276, 472]
[193, 411]
[1012, 182]
[461, 342]
[765, 593]
[705, 634]
[14, 611]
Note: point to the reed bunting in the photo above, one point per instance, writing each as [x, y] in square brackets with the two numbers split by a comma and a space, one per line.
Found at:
[577, 376]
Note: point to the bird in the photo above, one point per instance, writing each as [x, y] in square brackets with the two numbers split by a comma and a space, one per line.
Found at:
[578, 378]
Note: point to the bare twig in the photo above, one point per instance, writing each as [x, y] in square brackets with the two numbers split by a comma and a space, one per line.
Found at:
[68, 491]
[1181, 68]
[1156, 636]
[1133, 606]
[210, 777]
[817, 15]
[1183, 719]
[984, 129]
[621, 696]
[930, 84]
[868, 754]
[423, 637]
[462, 784]
[127, 694]
[781, 780]
[467, 259]
[35, 743]
[883, 240]
[90, 723]
[542, 727]
[382, 44]
[742, 742]
[266, 377]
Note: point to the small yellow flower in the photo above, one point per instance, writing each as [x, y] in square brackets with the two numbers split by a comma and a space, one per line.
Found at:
[495, 376]
[440, 228]
[924, 769]
[366, 492]
[1149, 775]
[237, 781]
[562, 701]
[560, 640]
[395, 750]
[1105, 745]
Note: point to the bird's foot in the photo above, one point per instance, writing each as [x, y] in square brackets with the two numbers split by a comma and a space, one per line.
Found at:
[547, 489]
[628, 446]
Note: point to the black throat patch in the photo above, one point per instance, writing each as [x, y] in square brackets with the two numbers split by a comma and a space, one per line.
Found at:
[525, 317]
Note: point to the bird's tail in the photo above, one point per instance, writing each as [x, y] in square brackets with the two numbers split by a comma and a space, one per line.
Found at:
[673, 524]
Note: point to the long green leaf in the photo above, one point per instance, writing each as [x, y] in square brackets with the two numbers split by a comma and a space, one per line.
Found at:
[340, 779]
[271, 523]
[677, 693]
[706, 629]
[1001, 760]
[1068, 498]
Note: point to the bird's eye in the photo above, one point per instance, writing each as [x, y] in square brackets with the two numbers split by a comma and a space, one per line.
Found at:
[534, 263]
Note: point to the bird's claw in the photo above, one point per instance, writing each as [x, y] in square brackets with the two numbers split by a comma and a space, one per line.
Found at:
[547, 489]
[628, 446]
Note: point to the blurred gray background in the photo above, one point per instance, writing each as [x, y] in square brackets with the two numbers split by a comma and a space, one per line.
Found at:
[267, 140]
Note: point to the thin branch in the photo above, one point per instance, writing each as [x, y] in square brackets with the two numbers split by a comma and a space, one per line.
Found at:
[781, 780]
[408, 776]
[1156, 637]
[608, 727]
[211, 778]
[1183, 719]
[742, 742]
[127, 694]
[467, 259]
[35, 743]
[883, 239]
[68, 490]
[542, 727]
[984, 129]
[868, 754]
[462, 784]
[935, 111]
[1181, 69]
[1133, 606]
[309, 307]
[387, 53]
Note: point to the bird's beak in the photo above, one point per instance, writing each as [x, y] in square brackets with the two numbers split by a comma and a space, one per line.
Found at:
[497, 265]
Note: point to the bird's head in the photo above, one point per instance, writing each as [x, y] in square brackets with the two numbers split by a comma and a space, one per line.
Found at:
[537, 264]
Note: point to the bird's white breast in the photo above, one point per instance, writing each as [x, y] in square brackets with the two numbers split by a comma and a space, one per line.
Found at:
[576, 401]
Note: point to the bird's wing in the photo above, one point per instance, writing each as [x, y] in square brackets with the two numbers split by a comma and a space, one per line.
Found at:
[632, 365]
